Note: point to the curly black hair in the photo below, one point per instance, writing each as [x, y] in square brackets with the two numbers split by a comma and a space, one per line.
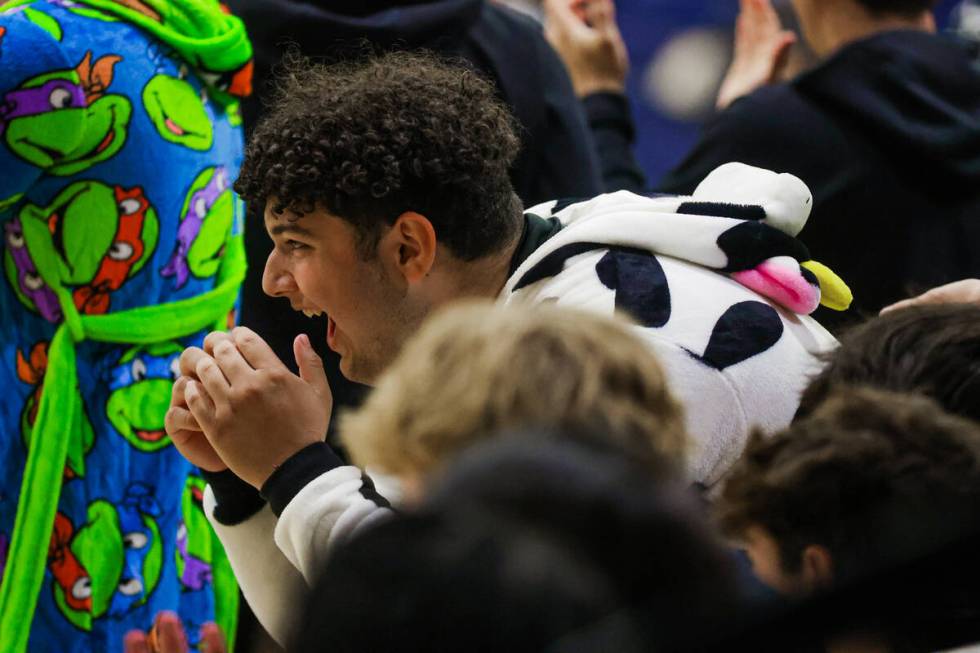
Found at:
[370, 139]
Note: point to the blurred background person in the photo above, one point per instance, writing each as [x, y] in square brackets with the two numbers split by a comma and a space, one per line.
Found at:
[506, 554]
[870, 484]
[883, 127]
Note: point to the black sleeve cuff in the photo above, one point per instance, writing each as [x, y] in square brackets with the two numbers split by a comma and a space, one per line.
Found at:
[236, 499]
[297, 472]
[610, 110]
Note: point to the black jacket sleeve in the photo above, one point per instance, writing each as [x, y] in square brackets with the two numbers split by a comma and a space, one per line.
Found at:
[614, 134]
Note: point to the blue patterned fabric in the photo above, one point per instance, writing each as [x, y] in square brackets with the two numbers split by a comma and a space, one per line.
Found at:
[115, 171]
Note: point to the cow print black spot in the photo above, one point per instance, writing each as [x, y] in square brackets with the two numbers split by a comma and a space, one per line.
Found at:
[640, 285]
[745, 330]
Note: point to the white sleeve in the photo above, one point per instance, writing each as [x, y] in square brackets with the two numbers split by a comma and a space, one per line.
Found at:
[270, 583]
[328, 511]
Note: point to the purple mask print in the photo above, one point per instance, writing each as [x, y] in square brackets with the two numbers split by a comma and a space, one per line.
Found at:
[28, 279]
[190, 226]
[197, 573]
[51, 96]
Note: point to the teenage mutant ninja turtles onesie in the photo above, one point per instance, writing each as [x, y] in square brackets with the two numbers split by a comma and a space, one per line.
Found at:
[119, 141]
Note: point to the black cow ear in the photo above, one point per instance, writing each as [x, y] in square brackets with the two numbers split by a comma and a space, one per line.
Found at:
[640, 285]
[750, 243]
[724, 210]
[745, 330]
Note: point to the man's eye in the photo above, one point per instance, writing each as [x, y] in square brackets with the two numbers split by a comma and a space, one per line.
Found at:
[294, 245]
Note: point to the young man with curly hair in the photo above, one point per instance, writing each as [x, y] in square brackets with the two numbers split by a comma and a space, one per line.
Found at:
[386, 191]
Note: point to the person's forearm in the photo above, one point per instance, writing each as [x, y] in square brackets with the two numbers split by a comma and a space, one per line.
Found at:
[613, 132]
[321, 504]
[269, 582]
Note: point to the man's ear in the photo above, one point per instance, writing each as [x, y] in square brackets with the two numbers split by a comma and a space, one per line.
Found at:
[817, 570]
[410, 246]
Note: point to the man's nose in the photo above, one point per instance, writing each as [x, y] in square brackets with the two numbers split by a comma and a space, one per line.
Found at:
[277, 281]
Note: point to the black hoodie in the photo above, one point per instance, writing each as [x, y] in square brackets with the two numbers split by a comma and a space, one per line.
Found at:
[557, 157]
[887, 135]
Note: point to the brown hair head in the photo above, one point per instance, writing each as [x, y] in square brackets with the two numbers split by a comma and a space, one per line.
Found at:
[875, 477]
[476, 370]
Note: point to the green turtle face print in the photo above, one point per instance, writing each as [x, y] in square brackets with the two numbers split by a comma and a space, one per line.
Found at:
[31, 370]
[140, 385]
[205, 225]
[41, 120]
[112, 563]
[90, 239]
[178, 111]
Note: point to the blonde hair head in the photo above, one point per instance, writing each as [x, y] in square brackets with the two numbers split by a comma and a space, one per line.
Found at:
[476, 370]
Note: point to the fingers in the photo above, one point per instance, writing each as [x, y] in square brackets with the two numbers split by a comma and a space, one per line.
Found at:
[213, 338]
[940, 295]
[213, 380]
[560, 14]
[136, 642]
[177, 393]
[254, 349]
[211, 639]
[600, 14]
[231, 362]
[170, 633]
[781, 54]
[197, 449]
[310, 365]
[189, 359]
[200, 404]
[180, 419]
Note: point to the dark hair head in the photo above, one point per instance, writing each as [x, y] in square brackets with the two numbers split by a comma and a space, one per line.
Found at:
[931, 350]
[370, 140]
[897, 7]
[878, 478]
[529, 545]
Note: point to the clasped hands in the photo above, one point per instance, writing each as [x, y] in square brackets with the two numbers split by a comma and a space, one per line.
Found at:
[237, 406]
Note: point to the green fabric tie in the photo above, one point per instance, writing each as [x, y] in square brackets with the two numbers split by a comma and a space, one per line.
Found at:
[204, 35]
[59, 410]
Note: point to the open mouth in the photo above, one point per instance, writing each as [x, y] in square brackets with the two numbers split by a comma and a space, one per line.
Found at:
[51, 153]
[106, 142]
[56, 223]
[170, 123]
[217, 255]
[150, 436]
[107, 139]
[174, 127]
[331, 333]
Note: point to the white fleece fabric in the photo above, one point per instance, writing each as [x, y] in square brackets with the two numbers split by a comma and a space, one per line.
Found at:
[277, 561]
[733, 358]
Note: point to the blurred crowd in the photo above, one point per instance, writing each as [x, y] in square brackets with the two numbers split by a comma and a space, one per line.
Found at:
[358, 326]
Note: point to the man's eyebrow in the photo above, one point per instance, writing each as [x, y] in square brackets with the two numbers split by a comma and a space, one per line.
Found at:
[290, 227]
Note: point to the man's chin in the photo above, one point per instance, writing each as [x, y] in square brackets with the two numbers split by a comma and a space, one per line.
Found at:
[354, 372]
